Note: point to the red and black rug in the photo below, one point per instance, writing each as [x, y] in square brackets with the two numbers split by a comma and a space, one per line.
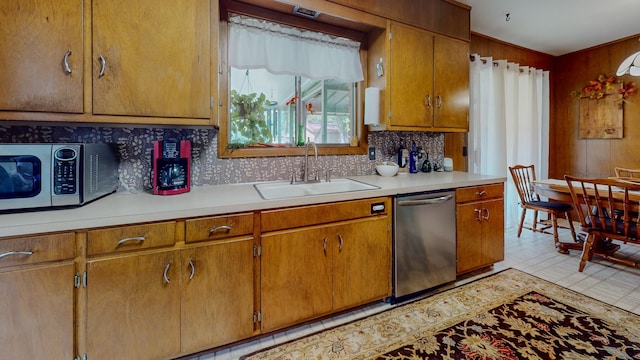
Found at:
[509, 315]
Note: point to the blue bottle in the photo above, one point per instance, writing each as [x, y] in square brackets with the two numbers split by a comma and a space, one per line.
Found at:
[413, 159]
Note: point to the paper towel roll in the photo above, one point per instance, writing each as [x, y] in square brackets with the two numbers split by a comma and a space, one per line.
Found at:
[371, 106]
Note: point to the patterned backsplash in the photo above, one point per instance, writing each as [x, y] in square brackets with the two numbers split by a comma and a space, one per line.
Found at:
[135, 144]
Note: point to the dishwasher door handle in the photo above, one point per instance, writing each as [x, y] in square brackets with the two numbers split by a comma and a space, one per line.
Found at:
[431, 201]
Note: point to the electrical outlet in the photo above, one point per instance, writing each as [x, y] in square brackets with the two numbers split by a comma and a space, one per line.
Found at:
[372, 153]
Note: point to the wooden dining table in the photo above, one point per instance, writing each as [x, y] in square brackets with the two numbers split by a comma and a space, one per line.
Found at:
[558, 190]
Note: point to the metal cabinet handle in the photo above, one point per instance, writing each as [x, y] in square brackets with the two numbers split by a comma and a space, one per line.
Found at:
[135, 238]
[429, 100]
[65, 62]
[478, 213]
[341, 242]
[103, 66]
[486, 211]
[218, 228]
[324, 247]
[166, 277]
[439, 101]
[9, 253]
[481, 193]
[193, 269]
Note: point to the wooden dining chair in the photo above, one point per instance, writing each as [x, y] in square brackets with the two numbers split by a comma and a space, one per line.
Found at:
[596, 200]
[523, 178]
[627, 173]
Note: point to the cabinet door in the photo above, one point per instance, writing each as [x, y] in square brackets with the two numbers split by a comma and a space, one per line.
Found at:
[451, 83]
[37, 313]
[469, 236]
[493, 231]
[411, 77]
[217, 296]
[362, 262]
[296, 276]
[156, 58]
[133, 307]
[36, 35]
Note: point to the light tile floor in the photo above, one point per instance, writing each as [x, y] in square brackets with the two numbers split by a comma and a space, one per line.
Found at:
[533, 253]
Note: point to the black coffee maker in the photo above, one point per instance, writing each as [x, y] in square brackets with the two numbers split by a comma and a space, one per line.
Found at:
[171, 167]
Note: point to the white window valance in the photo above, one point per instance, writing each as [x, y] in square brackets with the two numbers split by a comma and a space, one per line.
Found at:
[255, 44]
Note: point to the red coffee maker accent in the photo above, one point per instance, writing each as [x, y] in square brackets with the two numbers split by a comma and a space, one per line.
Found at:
[171, 167]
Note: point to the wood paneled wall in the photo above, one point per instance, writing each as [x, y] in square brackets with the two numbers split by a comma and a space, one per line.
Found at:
[592, 157]
[486, 46]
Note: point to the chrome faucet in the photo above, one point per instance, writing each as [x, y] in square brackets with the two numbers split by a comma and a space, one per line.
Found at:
[306, 174]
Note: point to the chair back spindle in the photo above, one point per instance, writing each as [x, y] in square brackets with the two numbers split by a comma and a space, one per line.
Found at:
[606, 212]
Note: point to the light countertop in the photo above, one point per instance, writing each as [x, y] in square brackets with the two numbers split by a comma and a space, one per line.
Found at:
[128, 208]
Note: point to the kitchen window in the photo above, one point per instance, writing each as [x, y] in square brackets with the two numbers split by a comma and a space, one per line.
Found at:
[287, 86]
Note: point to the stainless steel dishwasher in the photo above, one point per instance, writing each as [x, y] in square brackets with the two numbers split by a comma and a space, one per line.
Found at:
[424, 241]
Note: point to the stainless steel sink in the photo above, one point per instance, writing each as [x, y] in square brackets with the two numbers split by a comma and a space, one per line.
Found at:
[284, 189]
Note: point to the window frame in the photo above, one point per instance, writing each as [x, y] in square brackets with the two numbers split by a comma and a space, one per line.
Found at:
[224, 91]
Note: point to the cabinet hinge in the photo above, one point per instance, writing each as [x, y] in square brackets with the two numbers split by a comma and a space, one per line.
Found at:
[257, 250]
[390, 35]
[257, 317]
[211, 102]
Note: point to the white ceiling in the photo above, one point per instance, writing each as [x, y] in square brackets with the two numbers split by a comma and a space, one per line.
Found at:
[555, 27]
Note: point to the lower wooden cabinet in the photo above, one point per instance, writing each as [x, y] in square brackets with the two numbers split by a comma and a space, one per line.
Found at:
[217, 294]
[480, 226]
[37, 297]
[362, 262]
[168, 289]
[133, 306]
[163, 303]
[316, 270]
[37, 319]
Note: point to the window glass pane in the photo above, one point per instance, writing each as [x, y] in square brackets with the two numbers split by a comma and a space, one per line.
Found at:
[263, 109]
[259, 113]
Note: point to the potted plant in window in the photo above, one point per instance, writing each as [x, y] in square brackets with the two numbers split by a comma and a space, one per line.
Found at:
[248, 125]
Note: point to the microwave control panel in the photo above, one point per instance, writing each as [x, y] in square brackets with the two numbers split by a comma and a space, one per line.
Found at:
[65, 171]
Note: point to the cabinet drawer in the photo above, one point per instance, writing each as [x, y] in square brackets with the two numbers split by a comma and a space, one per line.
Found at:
[322, 214]
[126, 238]
[219, 227]
[477, 193]
[37, 249]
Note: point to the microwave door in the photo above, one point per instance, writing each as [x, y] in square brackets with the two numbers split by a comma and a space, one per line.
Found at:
[25, 176]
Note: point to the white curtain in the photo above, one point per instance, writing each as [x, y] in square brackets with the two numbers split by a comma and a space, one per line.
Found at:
[509, 122]
[281, 49]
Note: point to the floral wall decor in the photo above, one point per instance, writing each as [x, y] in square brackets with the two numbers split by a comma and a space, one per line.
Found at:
[601, 107]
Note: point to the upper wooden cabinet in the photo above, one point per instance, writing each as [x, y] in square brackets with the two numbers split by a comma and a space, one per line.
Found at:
[144, 61]
[151, 58]
[41, 56]
[426, 83]
[442, 16]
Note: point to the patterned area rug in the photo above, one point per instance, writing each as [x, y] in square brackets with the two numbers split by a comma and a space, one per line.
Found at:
[509, 315]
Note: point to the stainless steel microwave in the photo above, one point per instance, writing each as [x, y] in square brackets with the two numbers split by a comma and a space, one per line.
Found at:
[55, 175]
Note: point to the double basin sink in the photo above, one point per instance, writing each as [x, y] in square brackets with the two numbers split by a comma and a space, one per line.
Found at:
[284, 189]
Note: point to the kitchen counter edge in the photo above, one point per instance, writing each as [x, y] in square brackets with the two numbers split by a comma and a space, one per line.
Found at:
[123, 208]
